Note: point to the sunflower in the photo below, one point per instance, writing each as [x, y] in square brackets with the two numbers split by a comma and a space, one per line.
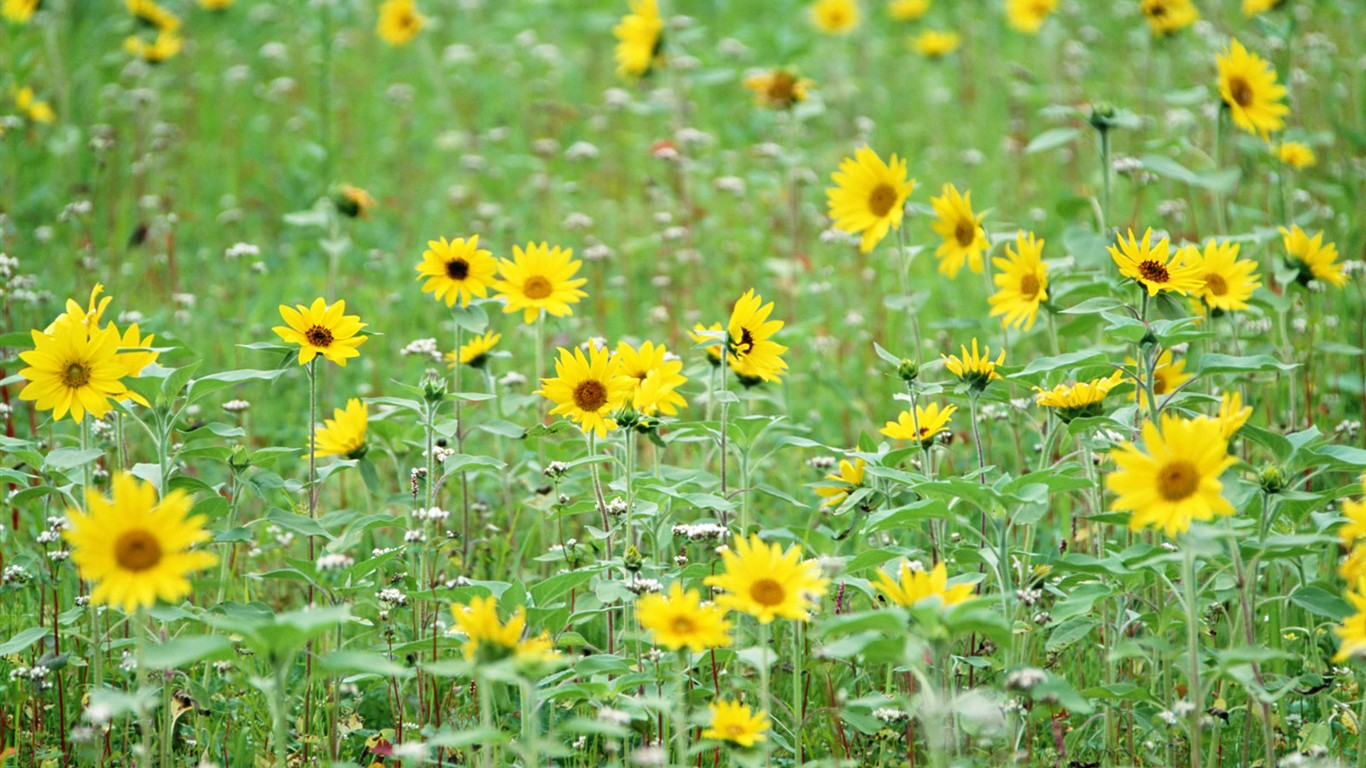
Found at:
[915, 586]
[1313, 259]
[456, 271]
[961, 230]
[1248, 86]
[215, 5]
[1228, 282]
[1296, 154]
[1353, 567]
[1177, 480]
[136, 549]
[399, 22]
[34, 110]
[713, 349]
[639, 39]
[19, 11]
[1232, 414]
[926, 425]
[322, 329]
[165, 45]
[1153, 266]
[487, 638]
[933, 44]
[587, 389]
[1021, 283]
[767, 583]
[536, 651]
[1256, 7]
[1355, 529]
[682, 620]
[1028, 16]
[152, 15]
[344, 433]
[475, 352]
[1167, 17]
[74, 368]
[778, 89]
[869, 196]
[652, 365]
[1167, 376]
[1082, 399]
[1352, 631]
[735, 723]
[353, 202]
[135, 362]
[835, 17]
[840, 484]
[907, 10]
[539, 278]
[975, 370]
[748, 341]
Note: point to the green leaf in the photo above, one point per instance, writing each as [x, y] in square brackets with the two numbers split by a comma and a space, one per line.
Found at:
[1214, 362]
[23, 640]
[206, 385]
[1218, 181]
[70, 458]
[183, 652]
[1069, 632]
[1051, 139]
[1322, 603]
[362, 662]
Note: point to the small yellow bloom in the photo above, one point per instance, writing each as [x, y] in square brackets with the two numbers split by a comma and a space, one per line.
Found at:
[923, 427]
[1153, 266]
[18, 11]
[680, 620]
[842, 483]
[766, 582]
[1168, 374]
[1313, 259]
[1167, 17]
[1247, 84]
[166, 45]
[778, 89]
[639, 39]
[322, 329]
[456, 271]
[749, 338]
[487, 638]
[344, 433]
[1297, 155]
[835, 17]
[1352, 631]
[915, 586]
[869, 196]
[475, 352]
[1080, 400]
[933, 44]
[907, 10]
[1021, 283]
[973, 368]
[1256, 7]
[588, 390]
[964, 239]
[1177, 479]
[735, 723]
[399, 22]
[540, 278]
[1028, 16]
[33, 109]
[1228, 281]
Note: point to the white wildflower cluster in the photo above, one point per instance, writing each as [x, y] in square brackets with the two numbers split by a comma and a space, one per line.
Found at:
[15, 574]
[1025, 679]
[644, 586]
[335, 561]
[414, 536]
[891, 715]
[555, 469]
[392, 597]
[616, 507]
[823, 463]
[440, 453]
[423, 348]
[37, 674]
[430, 514]
[701, 531]
[236, 405]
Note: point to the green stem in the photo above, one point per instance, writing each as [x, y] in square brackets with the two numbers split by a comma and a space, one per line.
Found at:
[1193, 651]
[725, 411]
[481, 687]
[764, 632]
[280, 698]
[144, 715]
[529, 737]
[1105, 180]
[798, 717]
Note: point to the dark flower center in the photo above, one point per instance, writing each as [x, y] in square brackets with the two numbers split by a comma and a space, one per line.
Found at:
[781, 88]
[684, 625]
[1177, 480]
[746, 343]
[590, 395]
[457, 269]
[767, 592]
[1216, 285]
[76, 375]
[537, 287]
[1153, 272]
[882, 199]
[1029, 286]
[318, 336]
[137, 550]
[965, 233]
[1240, 91]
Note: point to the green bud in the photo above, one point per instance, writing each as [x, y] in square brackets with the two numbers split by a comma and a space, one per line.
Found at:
[633, 560]
[1103, 116]
[909, 371]
[239, 460]
[1273, 478]
[433, 388]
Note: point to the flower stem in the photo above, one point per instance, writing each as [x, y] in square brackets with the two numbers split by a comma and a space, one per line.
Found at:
[797, 716]
[1193, 651]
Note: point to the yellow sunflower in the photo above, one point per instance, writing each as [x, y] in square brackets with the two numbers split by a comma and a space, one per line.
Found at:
[926, 425]
[456, 271]
[869, 196]
[322, 329]
[835, 17]
[353, 202]
[933, 44]
[1352, 631]
[1232, 414]
[475, 352]
[344, 433]
[487, 638]
[165, 45]
[1021, 283]
[961, 230]
[735, 723]
[215, 5]
[539, 278]
[1313, 259]
[1296, 154]
[778, 89]
[915, 586]
[18, 11]
[650, 359]
[840, 484]
[135, 549]
[639, 39]
[1353, 567]
[1248, 86]
[907, 10]
[1255, 7]
[1167, 375]
[1082, 399]
[1355, 529]
[749, 343]
[713, 349]
[767, 583]
[152, 15]
[1167, 17]
[1228, 281]
[1028, 16]
[1153, 266]
[135, 352]
[681, 620]
[74, 368]
[587, 389]
[974, 369]
[33, 109]
[399, 22]
[1177, 480]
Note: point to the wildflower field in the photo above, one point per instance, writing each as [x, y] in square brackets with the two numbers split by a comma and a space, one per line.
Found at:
[682, 383]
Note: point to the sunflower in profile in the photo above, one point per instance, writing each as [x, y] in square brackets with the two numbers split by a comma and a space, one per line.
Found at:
[639, 39]
[840, 484]
[973, 368]
[1296, 154]
[487, 638]
[734, 722]
[475, 352]
[539, 278]
[1176, 480]
[923, 427]
[766, 582]
[933, 44]
[713, 349]
[18, 11]
[322, 329]
[1228, 281]
[869, 196]
[1080, 400]
[1352, 630]
[749, 339]
[1153, 266]
[1247, 83]
[135, 549]
[344, 433]
[75, 369]
[399, 22]
[33, 109]
[914, 586]
[1028, 16]
[588, 389]
[657, 374]
[835, 17]
[165, 46]
[1168, 374]
[1313, 259]
[681, 620]
[1167, 17]
[152, 15]
[907, 10]
[353, 202]
[1021, 283]
[778, 89]
[456, 271]
[1232, 414]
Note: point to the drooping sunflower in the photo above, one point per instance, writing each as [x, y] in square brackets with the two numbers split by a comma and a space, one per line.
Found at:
[778, 89]
[840, 484]
[934, 44]
[648, 360]
[475, 352]
[869, 196]
[767, 583]
[656, 395]
[456, 271]
[166, 45]
[1167, 17]
[1021, 282]
[964, 238]
[1082, 399]
[322, 329]
[1153, 266]
[587, 390]
[353, 202]
[344, 433]
[1228, 281]
[680, 620]
[639, 39]
[487, 638]
[1176, 480]
[907, 10]
[33, 109]
[1352, 630]
[973, 368]
[399, 22]
[74, 368]
[915, 585]
[750, 344]
[1028, 16]
[1313, 259]
[1168, 374]
[1296, 154]
[923, 427]
[135, 549]
[734, 722]
[1247, 83]
[835, 17]
[540, 278]
[19, 11]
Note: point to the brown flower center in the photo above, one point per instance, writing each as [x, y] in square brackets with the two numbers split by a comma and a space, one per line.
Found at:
[965, 233]
[1215, 284]
[76, 375]
[782, 88]
[767, 592]
[318, 336]
[683, 625]
[1177, 480]
[407, 21]
[746, 343]
[537, 287]
[1029, 286]
[1153, 272]
[457, 269]
[1240, 91]
[137, 550]
[882, 199]
[590, 395]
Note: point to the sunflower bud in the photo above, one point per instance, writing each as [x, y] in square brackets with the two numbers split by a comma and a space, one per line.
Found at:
[433, 388]
[239, 460]
[1103, 116]
[1273, 479]
[633, 559]
[909, 371]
